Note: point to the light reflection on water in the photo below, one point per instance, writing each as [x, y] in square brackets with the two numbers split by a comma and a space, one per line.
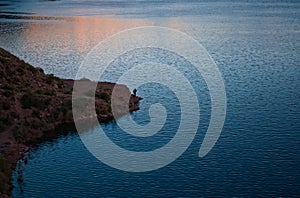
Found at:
[256, 47]
[59, 47]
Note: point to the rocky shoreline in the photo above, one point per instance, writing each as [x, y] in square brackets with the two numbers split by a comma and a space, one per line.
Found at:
[35, 105]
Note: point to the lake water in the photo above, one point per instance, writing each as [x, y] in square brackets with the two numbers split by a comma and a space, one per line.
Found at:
[256, 48]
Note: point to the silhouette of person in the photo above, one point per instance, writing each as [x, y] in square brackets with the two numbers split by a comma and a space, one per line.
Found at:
[134, 92]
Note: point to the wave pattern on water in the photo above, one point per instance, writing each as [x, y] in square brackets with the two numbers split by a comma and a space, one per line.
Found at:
[256, 47]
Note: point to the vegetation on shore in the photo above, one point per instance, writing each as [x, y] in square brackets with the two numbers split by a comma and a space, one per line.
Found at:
[33, 104]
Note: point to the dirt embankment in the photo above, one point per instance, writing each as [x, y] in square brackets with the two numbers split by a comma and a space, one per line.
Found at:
[33, 105]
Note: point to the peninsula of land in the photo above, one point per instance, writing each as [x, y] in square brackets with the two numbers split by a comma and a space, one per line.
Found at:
[34, 105]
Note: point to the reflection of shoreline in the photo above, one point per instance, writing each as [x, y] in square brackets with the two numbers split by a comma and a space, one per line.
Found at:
[36, 107]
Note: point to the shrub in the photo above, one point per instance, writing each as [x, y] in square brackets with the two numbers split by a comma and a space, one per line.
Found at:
[6, 119]
[19, 134]
[31, 68]
[2, 126]
[3, 59]
[69, 116]
[69, 91]
[90, 93]
[4, 167]
[8, 88]
[8, 93]
[21, 70]
[5, 176]
[48, 92]
[51, 78]
[104, 96]
[40, 69]
[35, 114]
[5, 106]
[56, 114]
[14, 115]
[10, 72]
[42, 103]
[67, 104]
[64, 110]
[102, 111]
[81, 103]
[27, 100]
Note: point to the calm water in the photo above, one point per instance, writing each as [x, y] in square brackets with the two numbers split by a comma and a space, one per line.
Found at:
[256, 47]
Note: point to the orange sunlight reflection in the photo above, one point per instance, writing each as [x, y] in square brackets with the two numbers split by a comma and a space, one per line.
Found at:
[76, 33]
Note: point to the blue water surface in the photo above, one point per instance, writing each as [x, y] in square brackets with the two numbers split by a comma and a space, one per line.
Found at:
[256, 48]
